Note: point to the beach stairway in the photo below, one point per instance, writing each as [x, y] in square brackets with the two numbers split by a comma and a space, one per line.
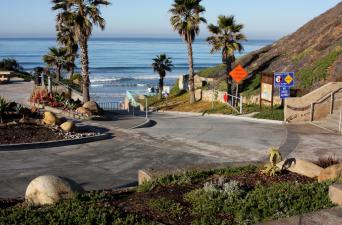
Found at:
[331, 122]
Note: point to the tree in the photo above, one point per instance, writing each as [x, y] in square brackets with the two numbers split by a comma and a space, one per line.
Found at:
[227, 38]
[85, 14]
[185, 19]
[162, 64]
[57, 57]
[67, 38]
[10, 64]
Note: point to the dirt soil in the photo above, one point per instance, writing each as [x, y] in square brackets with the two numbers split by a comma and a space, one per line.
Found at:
[27, 133]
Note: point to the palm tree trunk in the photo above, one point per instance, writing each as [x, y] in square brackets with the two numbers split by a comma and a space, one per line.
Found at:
[85, 69]
[58, 75]
[161, 87]
[71, 71]
[229, 79]
[191, 72]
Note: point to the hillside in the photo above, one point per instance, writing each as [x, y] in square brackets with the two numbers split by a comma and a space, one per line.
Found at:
[314, 52]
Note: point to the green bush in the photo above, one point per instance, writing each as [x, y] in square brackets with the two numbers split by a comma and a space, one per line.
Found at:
[193, 176]
[83, 210]
[282, 200]
[167, 206]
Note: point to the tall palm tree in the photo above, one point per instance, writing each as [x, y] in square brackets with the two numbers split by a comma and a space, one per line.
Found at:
[162, 64]
[227, 38]
[85, 14]
[186, 18]
[57, 57]
[67, 38]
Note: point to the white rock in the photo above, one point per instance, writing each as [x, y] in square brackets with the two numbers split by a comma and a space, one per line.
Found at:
[301, 167]
[50, 189]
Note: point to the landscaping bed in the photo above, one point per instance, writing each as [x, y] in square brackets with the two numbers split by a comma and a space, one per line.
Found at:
[30, 133]
[230, 195]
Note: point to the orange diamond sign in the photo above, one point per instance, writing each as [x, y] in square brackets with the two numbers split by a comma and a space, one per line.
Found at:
[238, 74]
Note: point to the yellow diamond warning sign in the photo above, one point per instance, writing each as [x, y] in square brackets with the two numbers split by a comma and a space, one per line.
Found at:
[288, 79]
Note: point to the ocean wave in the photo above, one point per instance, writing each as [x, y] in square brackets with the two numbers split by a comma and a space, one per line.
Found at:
[116, 80]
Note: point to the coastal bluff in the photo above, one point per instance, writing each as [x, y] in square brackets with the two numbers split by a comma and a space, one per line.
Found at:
[314, 52]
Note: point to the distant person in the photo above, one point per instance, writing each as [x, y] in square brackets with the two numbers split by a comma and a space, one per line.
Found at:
[152, 89]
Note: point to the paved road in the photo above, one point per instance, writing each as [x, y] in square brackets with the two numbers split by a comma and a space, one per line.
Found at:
[18, 91]
[115, 162]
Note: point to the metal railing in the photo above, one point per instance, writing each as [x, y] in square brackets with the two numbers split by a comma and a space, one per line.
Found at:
[235, 103]
[111, 106]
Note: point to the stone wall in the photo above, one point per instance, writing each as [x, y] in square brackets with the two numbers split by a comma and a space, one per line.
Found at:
[299, 109]
[209, 95]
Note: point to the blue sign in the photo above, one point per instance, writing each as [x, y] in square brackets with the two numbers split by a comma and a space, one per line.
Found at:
[284, 92]
[284, 79]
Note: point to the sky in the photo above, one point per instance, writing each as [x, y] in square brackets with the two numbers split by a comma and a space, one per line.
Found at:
[263, 19]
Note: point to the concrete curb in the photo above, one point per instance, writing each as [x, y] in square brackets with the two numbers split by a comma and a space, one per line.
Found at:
[146, 123]
[247, 119]
[51, 144]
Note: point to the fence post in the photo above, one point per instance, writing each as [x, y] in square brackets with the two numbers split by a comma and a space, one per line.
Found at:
[339, 124]
[241, 102]
[332, 103]
[146, 107]
[312, 112]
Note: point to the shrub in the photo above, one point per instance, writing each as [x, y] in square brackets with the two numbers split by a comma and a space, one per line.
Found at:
[211, 200]
[193, 176]
[167, 206]
[282, 200]
[83, 210]
[3, 108]
[326, 162]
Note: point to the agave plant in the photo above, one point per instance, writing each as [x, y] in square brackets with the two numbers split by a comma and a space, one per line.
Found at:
[271, 168]
[3, 108]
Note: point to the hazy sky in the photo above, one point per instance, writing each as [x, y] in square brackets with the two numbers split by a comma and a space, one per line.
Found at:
[268, 19]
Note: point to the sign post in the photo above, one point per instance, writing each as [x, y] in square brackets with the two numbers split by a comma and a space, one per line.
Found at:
[266, 89]
[238, 74]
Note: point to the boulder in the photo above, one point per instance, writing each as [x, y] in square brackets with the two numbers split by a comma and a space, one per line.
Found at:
[335, 193]
[49, 189]
[331, 173]
[84, 111]
[92, 106]
[50, 119]
[68, 126]
[301, 167]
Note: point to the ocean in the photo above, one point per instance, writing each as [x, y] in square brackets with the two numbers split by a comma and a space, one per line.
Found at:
[120, 64]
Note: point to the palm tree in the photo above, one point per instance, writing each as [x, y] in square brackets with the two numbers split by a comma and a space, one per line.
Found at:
[85, 14]
[185, 19]
[67, 38]
[227, 38]
[56, 57]
[162, 64]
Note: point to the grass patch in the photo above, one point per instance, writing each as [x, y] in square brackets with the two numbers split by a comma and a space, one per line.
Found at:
[267, 113]
[213, 72]
[318, 70]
